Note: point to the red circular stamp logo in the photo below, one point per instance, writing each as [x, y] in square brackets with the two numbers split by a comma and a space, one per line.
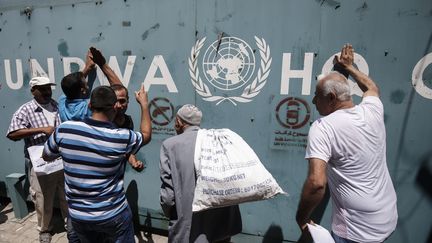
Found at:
[161, 111]
[293, 113]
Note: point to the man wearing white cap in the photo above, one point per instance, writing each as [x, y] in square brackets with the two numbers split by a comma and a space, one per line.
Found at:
[178, 186]
[34, 122]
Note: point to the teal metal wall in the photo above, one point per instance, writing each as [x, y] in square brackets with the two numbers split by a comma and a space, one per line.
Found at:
[160, 43]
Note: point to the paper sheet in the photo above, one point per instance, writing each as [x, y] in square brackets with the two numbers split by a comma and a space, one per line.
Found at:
[320, 234]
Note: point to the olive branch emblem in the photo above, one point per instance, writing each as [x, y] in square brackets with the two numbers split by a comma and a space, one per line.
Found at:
[249, 92]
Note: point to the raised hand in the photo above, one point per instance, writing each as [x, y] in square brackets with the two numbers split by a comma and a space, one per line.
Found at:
[89, 60]
[346, 58]
[141, 96]
[98, 58]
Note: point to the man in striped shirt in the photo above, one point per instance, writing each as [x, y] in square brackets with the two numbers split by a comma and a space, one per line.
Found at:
[94, 152]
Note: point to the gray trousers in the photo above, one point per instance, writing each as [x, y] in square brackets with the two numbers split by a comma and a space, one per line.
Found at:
[43, 190]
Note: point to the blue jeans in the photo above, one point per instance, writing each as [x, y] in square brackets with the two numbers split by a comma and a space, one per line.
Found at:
[71, 234]
[338, 239]
[118, 229]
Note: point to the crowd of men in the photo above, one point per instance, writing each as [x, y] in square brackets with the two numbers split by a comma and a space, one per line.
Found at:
[95, 138]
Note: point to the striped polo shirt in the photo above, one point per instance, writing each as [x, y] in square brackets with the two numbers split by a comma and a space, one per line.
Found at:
[94, 155]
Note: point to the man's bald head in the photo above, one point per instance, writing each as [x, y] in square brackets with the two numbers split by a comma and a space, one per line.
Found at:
[335, 83]
[332, 93]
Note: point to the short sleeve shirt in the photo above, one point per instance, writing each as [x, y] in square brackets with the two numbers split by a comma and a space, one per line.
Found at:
[94, 154]
[353, 143]
[31, 115]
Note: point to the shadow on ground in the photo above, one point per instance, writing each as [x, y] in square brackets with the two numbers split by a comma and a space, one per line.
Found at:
[3, 203]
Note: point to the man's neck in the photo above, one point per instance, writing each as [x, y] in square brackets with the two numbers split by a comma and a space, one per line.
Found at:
[99, 116]
[42, 101]
[187, 127]
[120, 119]
[83, 96]
[344, 105]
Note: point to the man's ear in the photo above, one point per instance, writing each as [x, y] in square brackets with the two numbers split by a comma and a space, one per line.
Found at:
[179, 121]
[332, 97]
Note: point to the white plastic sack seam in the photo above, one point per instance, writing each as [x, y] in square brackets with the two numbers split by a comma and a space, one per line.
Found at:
[228, 171]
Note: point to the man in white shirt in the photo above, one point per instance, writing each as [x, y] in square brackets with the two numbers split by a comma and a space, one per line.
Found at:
[347, 149]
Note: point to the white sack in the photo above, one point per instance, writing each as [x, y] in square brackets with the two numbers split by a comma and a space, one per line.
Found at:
[40, 166]
[228, 171]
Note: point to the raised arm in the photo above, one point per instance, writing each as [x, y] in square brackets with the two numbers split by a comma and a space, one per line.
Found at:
[346, 60]
[89, 65]
[99, 59]
[145, 124]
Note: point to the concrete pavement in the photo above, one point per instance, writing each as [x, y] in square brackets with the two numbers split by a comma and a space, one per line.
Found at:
[13, 230]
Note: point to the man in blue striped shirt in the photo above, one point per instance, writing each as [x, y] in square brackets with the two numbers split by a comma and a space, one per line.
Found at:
[94, 152]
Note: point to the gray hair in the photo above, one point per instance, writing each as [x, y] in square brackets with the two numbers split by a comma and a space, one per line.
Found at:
[339, 87]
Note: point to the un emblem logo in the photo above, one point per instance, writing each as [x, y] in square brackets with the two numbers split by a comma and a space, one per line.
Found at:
[228, 64]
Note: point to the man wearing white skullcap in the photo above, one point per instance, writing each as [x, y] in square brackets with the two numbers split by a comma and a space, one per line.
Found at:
[178, 186]
[188, 115]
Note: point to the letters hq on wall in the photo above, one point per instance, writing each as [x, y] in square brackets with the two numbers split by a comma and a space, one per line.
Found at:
[158, 64]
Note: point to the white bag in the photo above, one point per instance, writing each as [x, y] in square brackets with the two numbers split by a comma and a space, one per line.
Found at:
[320, 234]
[40, 166]
[228, 171]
